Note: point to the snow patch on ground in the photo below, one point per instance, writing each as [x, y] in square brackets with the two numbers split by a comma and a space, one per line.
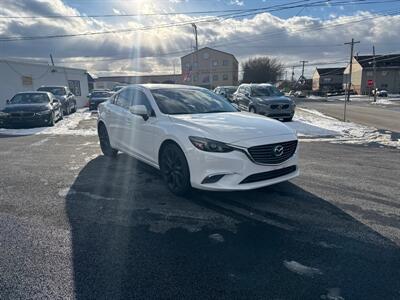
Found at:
[67, 126]
[391, 99]
[300, 269]
[311, 123]
[216, 237]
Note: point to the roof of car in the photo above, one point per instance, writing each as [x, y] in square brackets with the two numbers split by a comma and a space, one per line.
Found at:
[153, 86]
[251, 84]
[33, 92]
[52, 86]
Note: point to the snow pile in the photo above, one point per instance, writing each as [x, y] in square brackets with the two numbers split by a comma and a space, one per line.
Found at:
[67, 126]
[300, 269]
[312, 123]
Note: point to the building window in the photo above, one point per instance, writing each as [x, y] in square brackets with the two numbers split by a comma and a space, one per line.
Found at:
[195, 64]
[27, 80]
[215, 63]
[384, 86]
[206, 79]
[370, 73]
[75, 87]
[206, 55]
[225, 76]
[187, 65]
[195, 78]
[225, 62]
[215, 77]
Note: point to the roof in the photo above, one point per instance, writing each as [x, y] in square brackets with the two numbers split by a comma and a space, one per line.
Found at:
[38, 63]
[211, 50]
[390, 60]
[152, 86]
[330, 71]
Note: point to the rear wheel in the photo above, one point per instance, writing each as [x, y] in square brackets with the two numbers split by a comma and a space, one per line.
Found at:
[105, 144]
[175, 169]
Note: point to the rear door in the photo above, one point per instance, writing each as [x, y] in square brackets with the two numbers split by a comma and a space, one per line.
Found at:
[116, 119]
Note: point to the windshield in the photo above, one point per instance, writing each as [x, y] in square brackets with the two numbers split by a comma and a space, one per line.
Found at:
[230, 90]
[259, 91]
[190, 101]
[29, 99]
[58, 91]
[101, 94]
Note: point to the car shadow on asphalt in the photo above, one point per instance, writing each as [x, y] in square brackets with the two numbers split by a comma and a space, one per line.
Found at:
[287, 244]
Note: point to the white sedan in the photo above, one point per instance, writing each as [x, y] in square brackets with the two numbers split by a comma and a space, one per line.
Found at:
[197, 138]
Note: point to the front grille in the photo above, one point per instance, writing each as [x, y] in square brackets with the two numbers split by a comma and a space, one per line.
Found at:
[265, 154]
[269, 175]
[278, 106]
[22, 114]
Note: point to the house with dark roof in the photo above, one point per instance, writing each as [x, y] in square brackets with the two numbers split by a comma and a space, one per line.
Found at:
[387, 73]
[326, 80]
[209, 68]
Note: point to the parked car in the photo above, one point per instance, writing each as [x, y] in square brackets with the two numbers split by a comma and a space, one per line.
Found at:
[64, 95]
[380, 93]
[300, 94]
[264, 99]
[196, 138]
[117, 88]
[225, 91]
[98, 96]
[31, 109]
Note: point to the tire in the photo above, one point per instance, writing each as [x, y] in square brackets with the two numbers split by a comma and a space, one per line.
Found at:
[68, 110]
[52, 120]
[105, 142]
[175, 170]
[61, 115]
[73, 110]
[252, 109]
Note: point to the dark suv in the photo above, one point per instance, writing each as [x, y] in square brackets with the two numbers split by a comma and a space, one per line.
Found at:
[264, 99]
[64, 95]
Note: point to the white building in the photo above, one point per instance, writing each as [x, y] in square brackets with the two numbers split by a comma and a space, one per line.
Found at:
[19, 76]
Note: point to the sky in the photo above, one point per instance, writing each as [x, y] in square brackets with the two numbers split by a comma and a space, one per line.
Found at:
[160, 32]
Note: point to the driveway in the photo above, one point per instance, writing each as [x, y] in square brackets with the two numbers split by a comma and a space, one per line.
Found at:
[75, 224]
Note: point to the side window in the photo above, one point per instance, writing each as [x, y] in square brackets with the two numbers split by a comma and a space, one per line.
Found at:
[139, 98]
[123, 99]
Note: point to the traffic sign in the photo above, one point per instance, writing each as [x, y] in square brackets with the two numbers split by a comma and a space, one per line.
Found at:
[370, 82]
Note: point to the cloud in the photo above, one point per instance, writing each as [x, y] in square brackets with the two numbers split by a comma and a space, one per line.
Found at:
[156, 51]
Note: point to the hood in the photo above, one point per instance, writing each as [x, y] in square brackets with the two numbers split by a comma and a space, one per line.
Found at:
[274, 99]
[25, 108]
[232, 127]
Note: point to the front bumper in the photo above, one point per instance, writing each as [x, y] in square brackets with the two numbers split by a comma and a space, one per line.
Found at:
[276, 113]
[35, 120]
[236, 168]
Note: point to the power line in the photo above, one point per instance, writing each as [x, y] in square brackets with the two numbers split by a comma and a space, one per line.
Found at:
[325, 3]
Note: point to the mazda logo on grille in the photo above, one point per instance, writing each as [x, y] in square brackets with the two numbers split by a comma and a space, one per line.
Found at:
[278, 150]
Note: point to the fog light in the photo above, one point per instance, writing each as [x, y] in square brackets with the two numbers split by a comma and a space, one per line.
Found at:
[212, 179]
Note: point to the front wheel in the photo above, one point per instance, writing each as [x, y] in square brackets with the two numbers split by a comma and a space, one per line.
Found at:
[175, 170]
[105, 144]
[52, 120]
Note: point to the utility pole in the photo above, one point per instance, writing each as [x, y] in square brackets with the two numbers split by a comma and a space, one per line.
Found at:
[195, 34]
[292, 73]
[302, 70]
[352, 43]
[52, 61]
[374, 68]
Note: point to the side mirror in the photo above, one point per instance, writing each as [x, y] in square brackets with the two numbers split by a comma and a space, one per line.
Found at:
[70, 94]
[140, 110]
[8, 101]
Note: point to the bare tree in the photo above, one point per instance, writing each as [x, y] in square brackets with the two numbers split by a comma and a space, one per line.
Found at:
[262, 69]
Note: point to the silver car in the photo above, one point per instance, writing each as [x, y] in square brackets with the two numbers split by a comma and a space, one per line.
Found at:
[264, 99]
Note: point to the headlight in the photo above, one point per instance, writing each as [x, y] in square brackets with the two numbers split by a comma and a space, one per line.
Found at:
[43, 112]
[209, 145]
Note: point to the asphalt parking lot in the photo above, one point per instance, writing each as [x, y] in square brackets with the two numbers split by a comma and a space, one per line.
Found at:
[76, 224]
